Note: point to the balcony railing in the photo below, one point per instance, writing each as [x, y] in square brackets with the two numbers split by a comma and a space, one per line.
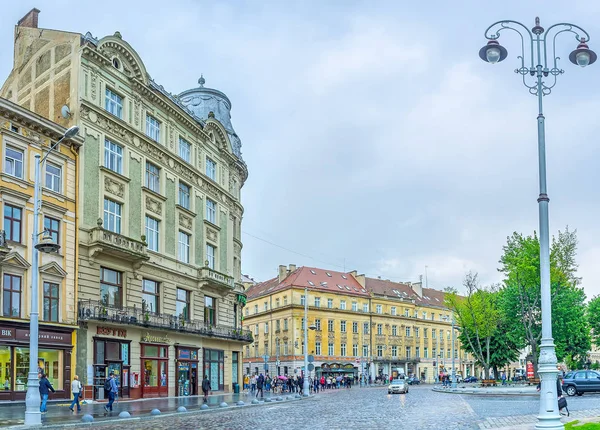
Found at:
[98, 311]
[118, 245]
[215, 278]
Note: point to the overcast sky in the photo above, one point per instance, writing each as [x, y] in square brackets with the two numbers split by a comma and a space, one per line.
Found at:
[375, 137]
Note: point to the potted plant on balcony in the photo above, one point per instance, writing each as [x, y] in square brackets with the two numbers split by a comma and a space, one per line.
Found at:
[145, 312]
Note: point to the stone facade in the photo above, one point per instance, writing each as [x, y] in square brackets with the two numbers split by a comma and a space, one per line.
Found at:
[159, 223]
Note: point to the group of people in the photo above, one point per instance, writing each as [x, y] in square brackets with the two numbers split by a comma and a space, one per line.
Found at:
[255, 384]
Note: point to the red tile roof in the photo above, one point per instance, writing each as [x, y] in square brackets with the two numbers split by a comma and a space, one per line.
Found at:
[430, 297]
[315, 279]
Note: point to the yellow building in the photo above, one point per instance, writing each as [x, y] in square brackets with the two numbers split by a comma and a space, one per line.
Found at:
[23, 134]
[362, 326]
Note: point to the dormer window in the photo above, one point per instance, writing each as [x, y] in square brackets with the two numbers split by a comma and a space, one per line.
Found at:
[116, 63]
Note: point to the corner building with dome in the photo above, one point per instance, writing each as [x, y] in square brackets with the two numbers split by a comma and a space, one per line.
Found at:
[159, 295]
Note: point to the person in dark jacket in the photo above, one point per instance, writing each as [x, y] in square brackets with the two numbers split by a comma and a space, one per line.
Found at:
[205, 388]
[259, 385]
[45, 387]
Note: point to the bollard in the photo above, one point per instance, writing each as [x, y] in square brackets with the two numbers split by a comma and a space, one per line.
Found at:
[204, 406]
[155, 412]
[124, 414]
[255, 402]
[87, 418]
[223, 405]
[181, 409]
[240, 403]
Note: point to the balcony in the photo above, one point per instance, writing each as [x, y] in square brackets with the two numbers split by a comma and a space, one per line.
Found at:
[91, 310]
[102, 241]
[216, 282]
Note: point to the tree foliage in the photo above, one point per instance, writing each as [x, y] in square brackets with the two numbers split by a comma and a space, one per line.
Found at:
[593, 316]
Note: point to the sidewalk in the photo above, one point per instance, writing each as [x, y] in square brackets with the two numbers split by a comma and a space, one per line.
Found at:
[12, 413]
[518, 390]
[528, 422]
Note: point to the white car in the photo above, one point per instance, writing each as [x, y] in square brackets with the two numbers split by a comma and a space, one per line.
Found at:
[398, 386]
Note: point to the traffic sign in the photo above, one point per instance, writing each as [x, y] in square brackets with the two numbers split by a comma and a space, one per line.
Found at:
[266, 357]
[311, 367]
[278, 363]
[311, 358]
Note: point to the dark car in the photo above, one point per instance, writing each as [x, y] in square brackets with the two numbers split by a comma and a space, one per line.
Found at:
[581, 381]
[413, 381]
[470, 379]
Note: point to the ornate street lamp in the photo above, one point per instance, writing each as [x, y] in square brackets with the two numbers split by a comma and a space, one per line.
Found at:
[535, 49]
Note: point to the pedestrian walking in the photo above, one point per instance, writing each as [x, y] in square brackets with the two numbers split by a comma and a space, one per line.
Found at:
[45, 388]
[246, 383]
[77, 391]
[205, 388]
[111, 387]
[253, 383]
[259, 385]
[503, 378]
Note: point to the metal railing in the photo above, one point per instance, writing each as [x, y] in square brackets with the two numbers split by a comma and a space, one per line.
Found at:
[98, 311]
[213, 275]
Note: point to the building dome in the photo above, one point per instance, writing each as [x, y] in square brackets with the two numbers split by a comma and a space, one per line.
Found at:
[202, 100]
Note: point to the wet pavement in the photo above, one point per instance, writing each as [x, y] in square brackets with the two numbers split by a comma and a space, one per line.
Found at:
[12, 413]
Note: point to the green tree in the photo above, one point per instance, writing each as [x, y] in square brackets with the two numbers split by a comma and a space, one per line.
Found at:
[593, 316]
[478, 316]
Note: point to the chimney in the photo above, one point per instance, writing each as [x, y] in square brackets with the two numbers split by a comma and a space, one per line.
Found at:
[30, 20]
[292, 267]
[418, 288]
[282, 272]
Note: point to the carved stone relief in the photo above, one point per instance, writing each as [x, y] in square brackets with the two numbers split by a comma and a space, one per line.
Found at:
[211, 234]
[94, 77]
[185, 221]
[153, 205]
[137, 100]
[114, 187]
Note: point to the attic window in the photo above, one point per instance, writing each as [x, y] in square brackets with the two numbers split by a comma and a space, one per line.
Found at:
[340, 287]
[116, 63]
[311, 283]
[313, 272]
[355, 289]
[437, 300]
[363, 290]
[14, 128]
[328, 274]
[344, 276]
[323, 284]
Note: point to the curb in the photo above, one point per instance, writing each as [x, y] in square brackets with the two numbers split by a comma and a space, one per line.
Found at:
[484, 393]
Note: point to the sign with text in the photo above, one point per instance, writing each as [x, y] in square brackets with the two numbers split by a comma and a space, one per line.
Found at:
[46, 337]
[109, 331]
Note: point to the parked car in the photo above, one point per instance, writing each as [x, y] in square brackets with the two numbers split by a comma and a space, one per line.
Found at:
[581, 381]
[413, 381]
[398, 386]
[470, 379]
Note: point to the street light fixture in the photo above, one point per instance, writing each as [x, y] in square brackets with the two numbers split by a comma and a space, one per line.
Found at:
[33, 415]
[305, 386]
[537, 41]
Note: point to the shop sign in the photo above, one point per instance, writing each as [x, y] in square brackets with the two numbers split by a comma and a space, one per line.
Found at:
[155, 339]
[109, 331]
[44, 336]
[7, 333]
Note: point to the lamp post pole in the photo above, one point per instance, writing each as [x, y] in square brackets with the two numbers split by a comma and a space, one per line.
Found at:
[453, 384]
[33, 415]
[537, 41]
[305, 378]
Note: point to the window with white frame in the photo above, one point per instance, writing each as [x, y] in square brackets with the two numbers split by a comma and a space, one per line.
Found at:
[183, 253]
[394, 330]
[113, 156]
[266, 328]
[418, 352]
[378, 309]
[54, 177]
[317, 302]
[285, 348]
[354, 327]
[184, 195]
[330, 326]
[302, 299]
[355, 350]
[393, 310]
[433, 333]
[317, 348]
[330, 303]
[211, 211]
[113, 103]
[211, 252]
[211, 169]
[266, 306]
[425, 332]
[426, 352]
[13, 162]
[318, 324]
[365, 307]
[343, 304]
[152, 128]
[379, 329]
[406, 312]
[185, 149]
[285, 324]
[417, 331]
[365, 350]
[366, 328]
[343, 349]
[394, 351]
[354, 306]
[152, 177]
[448, 353]
[408, 331]
[424, 315]
[330, 349]
[448, 335]
[379, 350]
[408, 352]
[152, 229]
[112, 216]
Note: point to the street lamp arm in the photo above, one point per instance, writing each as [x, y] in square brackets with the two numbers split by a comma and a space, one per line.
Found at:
[493, 33]
[568, 28]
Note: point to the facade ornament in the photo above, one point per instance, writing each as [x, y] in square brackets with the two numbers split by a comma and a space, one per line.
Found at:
[94, 77]
[185, 221]
[114, 187]
[153, 205]
[211, 234]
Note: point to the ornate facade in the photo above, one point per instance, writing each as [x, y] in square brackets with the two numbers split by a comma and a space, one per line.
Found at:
[160, 292]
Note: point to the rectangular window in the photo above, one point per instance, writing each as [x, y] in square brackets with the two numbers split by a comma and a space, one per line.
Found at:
[317, 348]
[152, 238]
[448, 335]
[394, 330]
[447, 353]
[12, 222]
[266, 306]
[417, 352]
[408, 331]
[379, 350]
[330, 349]
[354, 306]
[330, 327]
[317, 302]
[182, 304]
[343, 326]
[13, 162]
[277, 325]
[184, 195]
[53, 227]
[380, 329]
[365, 350]
[285, 324]
[152, 128]
[266, 328]
[343, 349]
[366, 328]
[11, 296]
[152, 177]
[149, 296]
[378, 309]
[113, 156]
[184, 247]
[185, 149]
[284, 300]
[211, 211]
[343, 304]
[111, 285]
[302, 299]
[426, 352]
[425, 332]
[394, 351]
[355, 350]
[51, 302]
[406, 312]
[393, 310]
[112, 216]
[211, 251]
[54, 177]
[365, 307]
[408, 352]
[211, 169]
[424, 315]
[354, 327]
[432, 316]
[318, 324]
[113, 103]
[329, 303]
[433, 333]
[416, 331]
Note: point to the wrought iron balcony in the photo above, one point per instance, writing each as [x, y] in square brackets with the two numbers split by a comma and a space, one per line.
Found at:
[104, 241]
[96, 310]
[216, 281]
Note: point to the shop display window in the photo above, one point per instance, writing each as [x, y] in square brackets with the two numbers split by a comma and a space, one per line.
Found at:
[50, 362]
[5, 366]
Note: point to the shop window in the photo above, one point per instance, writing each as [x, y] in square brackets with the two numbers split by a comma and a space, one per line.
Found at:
[5, 368]
[154, 360]
[51, 302]
[213, 367]
[111, 284]
[11, 297]
[49, 361]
